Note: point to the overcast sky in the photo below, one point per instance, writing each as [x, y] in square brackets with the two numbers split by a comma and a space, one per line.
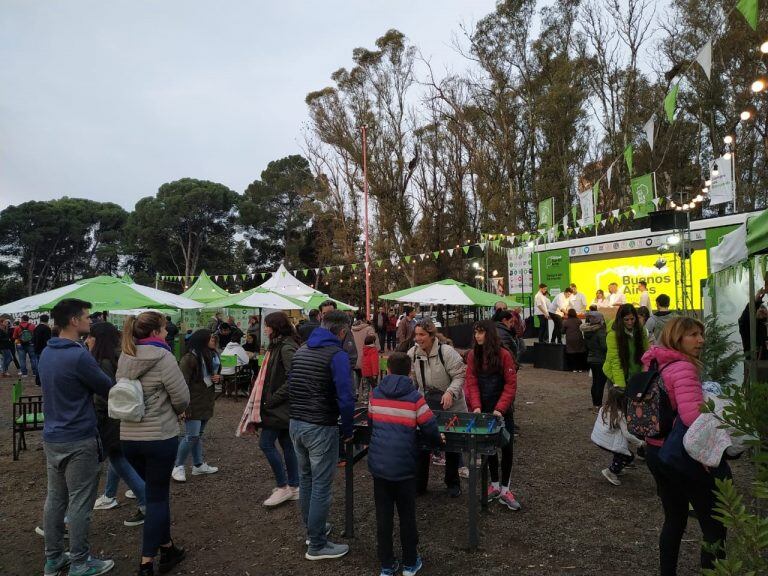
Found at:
[108, 99]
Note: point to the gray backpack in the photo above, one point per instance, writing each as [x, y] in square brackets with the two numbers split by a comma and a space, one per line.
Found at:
[126, 400]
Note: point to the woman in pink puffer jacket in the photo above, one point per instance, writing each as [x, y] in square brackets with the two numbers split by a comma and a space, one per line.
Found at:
[679, 348]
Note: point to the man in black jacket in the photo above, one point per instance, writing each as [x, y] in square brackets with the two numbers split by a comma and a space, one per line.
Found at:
[305, 329]
[320, 393]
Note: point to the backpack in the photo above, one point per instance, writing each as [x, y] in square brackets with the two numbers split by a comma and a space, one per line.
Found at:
[26, 334]
[649, 412]
[126, 400]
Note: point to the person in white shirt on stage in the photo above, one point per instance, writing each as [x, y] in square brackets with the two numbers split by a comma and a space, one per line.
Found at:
[578, 300]
[600, 300]
[541, 308]
[615, 298]
[559, 312]
[645, 297]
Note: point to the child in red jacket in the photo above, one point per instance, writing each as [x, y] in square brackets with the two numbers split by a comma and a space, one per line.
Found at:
[370, 367]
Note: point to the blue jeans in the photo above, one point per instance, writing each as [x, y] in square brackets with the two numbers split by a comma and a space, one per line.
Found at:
[73, 478]
[21, 351]
[267, 444]
[192, 442]
[120, 468]
[8, 359]
[317, 452]
[153, 461]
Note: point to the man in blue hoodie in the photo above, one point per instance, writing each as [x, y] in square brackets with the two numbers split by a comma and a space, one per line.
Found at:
[396, 411]
[70, 376]
[320, 389]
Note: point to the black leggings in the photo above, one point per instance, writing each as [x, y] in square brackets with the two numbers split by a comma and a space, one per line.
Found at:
[598, 383]
[506, 456]
[676, 490]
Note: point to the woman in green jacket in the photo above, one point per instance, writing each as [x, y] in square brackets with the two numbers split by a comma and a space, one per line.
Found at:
[626, 341]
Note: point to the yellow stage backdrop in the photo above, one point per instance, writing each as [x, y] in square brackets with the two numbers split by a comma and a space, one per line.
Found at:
[627, 272]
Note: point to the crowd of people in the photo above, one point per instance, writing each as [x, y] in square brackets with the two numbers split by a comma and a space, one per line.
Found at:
[304, 390]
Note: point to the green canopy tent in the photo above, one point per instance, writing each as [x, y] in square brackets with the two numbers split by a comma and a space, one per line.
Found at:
[205, 290]
[449, 292]
[104, 293]
[256, 298]
[314, 301]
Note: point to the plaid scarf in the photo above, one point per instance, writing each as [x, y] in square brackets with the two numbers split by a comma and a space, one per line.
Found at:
[252, 413]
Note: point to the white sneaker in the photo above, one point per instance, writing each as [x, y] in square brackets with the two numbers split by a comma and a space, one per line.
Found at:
[278, 496]
[130, 494]
[104, 502]
[179, 474]
[294, 492]
[611, 477]
[204, 469]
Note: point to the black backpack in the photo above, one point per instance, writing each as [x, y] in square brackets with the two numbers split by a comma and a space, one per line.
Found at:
[649, 412]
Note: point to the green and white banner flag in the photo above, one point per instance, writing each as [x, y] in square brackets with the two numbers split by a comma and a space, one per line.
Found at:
[642, 195]
[546, 214]
[750, 10]
[629, 159]
[587, 202]
[670, 103]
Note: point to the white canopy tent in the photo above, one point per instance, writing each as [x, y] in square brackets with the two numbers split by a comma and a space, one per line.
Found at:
[285, 283]
[732, 250]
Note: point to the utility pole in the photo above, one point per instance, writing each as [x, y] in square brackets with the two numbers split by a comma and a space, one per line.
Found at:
[367, 242]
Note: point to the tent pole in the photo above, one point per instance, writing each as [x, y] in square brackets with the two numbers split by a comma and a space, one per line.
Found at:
[752, 370]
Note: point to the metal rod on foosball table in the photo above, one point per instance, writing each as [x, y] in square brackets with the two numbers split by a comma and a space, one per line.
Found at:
[473, 537]
[349, 490]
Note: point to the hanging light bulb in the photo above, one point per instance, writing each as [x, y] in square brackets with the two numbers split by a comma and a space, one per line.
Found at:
[685, 207]
[692, 205]
[704, 190]
[672, 204]
[678, 209]
[745, 115]
[764, 47]
[727, 156]
[758, 85]
[728, 139]
[707, 183]
[699, 198]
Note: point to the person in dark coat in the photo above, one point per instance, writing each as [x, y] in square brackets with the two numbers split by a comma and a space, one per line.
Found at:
[104, 343]
[7, 348]
[172, 330]
[275, 408]
[595, 339]
[306, 329]
[201, 368]
[505, 330]
[575, 349]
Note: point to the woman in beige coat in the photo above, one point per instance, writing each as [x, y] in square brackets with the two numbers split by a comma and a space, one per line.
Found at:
[438, 371]
[151, 444]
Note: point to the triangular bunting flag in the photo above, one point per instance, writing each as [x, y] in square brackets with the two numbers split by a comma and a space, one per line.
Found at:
[704, 58]
[749, 9]
[578, 230]
[354, 267]
[610, 173]
[263, 275]
[574, 212]
[242, 276]
[465, 249]
[341, 268]
[628, 158]
[215, 277]
[366, 264]
[421, 256]
[602, 223]
[436, 253]
[408, 259]
[649, 128]
[327, 269]
[450, 251]
[656, 202]
[226, 277]
[378, 263]
[317, 271]
[670, 103]
[305, 271]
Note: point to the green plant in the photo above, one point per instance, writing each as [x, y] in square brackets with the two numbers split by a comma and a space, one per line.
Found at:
[721, 355]
[744, 515]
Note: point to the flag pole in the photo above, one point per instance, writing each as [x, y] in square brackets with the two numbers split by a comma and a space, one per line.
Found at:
[367, 243]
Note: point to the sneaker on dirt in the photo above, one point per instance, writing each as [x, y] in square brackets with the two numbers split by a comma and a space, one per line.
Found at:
[204, 468]
[508, 499]
[135, 520]
[327, 552]
[493, 493]
[278, 496]
[56, 567]
[104, 502]
[91, 567]
[412, 570]
[130, 494]
[611, 477]
[179, 474]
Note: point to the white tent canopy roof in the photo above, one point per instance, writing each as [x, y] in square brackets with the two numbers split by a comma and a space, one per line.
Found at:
[283, 282]
[732, 250]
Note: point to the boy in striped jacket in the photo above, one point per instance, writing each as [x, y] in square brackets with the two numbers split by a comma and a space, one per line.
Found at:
[396, 411]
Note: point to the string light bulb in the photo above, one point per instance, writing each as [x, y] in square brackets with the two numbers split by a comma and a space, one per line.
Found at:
[764, 47]
[727, 156]
[728, 139]
[745, 115]
[699, 198]
[758, 85]
[704, 190]
[672, 204]
[707, 183]
[685, 207]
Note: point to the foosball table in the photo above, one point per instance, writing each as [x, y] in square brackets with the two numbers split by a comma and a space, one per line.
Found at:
[475, 435]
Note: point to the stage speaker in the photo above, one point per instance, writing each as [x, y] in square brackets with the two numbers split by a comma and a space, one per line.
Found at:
[662, 220]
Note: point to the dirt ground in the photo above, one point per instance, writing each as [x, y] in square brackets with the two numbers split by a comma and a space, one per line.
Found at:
[572, 523]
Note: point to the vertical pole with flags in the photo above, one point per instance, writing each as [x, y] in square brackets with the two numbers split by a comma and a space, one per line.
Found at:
[367, 243]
